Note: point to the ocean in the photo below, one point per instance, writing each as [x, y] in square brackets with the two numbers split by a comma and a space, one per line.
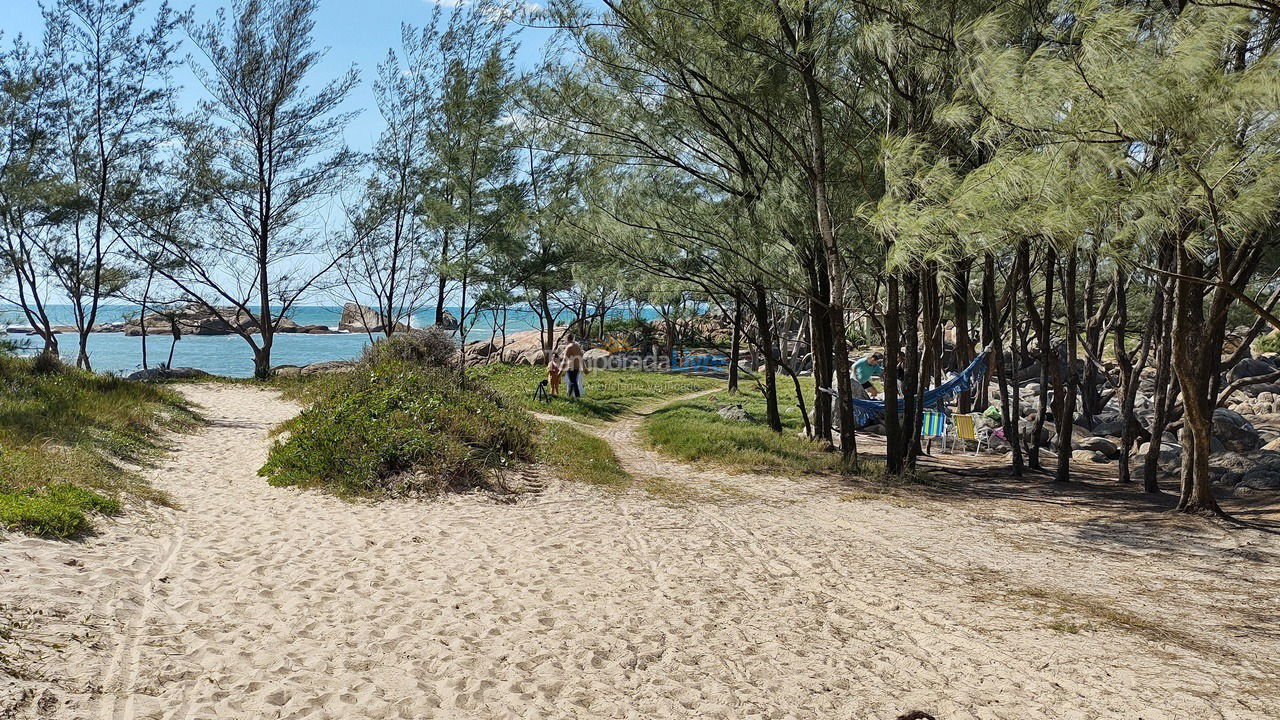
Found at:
[230, 355]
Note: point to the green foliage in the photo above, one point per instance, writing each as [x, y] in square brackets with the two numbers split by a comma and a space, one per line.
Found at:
[609, 393]
[581, 457]
[432, 347]
[396, 428]
[62, 432]
[1268, 343]
[54, 511]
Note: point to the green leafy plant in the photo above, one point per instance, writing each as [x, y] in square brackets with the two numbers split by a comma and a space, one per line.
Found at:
[399, 428]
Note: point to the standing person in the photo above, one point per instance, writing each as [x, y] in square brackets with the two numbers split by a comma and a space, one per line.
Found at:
[554, 372]
[867, 368]
[575, 367]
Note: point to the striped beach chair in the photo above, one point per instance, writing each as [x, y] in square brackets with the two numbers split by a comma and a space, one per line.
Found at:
[934, 425]
[967, 428]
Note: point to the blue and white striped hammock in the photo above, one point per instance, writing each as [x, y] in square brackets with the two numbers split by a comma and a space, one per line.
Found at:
[866, 412]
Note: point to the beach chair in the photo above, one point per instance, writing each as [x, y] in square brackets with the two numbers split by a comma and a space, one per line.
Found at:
[967, 428]
[934, 425]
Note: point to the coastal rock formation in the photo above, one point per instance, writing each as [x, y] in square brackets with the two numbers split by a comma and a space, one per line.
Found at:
[363, 319]
[196, 319]
[448, 321]
[523, 347]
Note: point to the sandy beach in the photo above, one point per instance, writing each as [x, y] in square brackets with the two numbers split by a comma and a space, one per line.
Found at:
[756, 597]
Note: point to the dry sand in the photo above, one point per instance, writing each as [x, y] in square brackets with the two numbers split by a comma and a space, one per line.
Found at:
[751, 598]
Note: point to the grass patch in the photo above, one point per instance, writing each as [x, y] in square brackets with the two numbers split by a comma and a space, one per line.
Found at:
[581, 457]
[694, 432]
[64, 435]
[609, 393]
[394, 427]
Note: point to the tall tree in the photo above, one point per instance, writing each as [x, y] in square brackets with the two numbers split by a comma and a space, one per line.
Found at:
[270, 155]
[115, 101]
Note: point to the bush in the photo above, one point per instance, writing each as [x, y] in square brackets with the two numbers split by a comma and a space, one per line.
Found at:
[47, 363]
[432, 347]
[401, 428]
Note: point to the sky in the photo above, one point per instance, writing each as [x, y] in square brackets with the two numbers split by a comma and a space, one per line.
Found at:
[355, 31]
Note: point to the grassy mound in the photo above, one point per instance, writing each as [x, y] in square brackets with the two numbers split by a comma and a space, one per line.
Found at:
[695, 432]
[580, 457]
[392, 427]
[62, 435]
[609, 393]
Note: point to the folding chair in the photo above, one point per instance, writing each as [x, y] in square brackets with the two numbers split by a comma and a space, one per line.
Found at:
[934, 425]
[967, 428]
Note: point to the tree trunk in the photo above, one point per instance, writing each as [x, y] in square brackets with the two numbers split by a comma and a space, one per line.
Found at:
[735, 352]
[1010, 418]
[911, 410]
[892, 342]
[764, 335]
[1067, 403]
[1194, 375]
[960, 308]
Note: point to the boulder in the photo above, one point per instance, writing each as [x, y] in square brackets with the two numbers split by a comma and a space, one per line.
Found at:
[1111, 428]
[734, 413]
[1087, 456]
[325, 368]
[360, 318]
[448, 321]
[597, 357]
[287, 371]
[162, 373]
[1251, 367]
[1169, 451]
[1100, 445]
[1265, 480]
[1234, 431]
[532, 357]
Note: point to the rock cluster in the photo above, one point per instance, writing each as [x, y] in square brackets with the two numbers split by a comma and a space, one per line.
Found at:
[196, 319]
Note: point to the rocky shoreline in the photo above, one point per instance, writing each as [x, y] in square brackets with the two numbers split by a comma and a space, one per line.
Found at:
[196, 319]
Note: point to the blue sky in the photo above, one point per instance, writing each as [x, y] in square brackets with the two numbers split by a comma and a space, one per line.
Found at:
[355, 31]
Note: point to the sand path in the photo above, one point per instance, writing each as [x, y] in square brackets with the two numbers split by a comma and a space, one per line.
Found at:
[777, 600]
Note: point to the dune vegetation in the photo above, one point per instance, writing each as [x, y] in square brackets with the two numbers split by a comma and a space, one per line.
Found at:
[66, 438]
[403, 422]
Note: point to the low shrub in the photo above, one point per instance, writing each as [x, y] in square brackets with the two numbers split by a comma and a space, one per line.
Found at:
[401, 428]
[432, 347]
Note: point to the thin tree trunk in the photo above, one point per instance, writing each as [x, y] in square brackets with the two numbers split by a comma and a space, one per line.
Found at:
[960, 308]
[892, 342]
[911, 410]
[735, 352]
[764, 335]
[1066, 420]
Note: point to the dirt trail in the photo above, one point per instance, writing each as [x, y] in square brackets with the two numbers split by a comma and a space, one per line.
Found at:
[781, 601]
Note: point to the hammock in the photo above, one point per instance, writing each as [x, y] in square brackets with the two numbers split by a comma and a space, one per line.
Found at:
[867, 411]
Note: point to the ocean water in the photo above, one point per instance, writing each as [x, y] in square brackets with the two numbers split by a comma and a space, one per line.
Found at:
[230, 355]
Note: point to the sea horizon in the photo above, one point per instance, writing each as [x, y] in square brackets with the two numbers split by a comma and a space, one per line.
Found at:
[229, 355]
